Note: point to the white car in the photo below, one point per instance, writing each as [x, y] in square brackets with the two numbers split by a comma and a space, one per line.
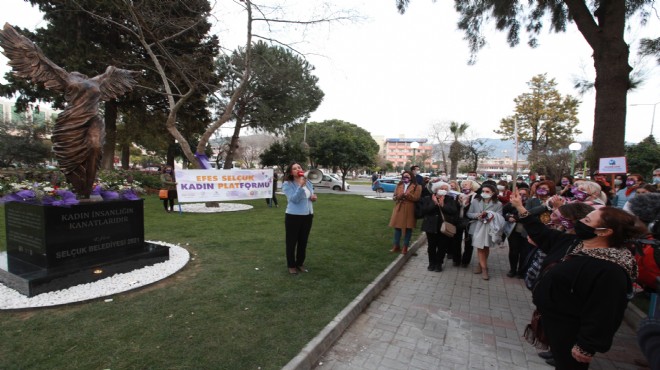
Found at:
[331, 182]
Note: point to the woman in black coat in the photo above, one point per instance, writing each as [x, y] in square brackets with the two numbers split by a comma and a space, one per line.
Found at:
[585, 282]
[438, 208]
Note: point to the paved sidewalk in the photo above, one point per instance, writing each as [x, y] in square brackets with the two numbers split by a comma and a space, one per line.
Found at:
[453, 320]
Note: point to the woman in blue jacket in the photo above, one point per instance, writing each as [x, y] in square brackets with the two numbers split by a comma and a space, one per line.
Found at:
[298, 218]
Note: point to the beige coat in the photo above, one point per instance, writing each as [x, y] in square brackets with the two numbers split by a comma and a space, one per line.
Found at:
[403, 215]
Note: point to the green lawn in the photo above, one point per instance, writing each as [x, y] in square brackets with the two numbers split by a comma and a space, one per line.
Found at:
[233, 307]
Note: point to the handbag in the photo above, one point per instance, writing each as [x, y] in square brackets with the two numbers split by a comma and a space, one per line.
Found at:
[447, 228]
[534, 333]
[163, 193]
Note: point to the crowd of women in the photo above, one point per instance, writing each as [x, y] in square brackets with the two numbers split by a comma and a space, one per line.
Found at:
[575, 242]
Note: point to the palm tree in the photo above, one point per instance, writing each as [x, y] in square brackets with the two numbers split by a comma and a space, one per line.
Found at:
[455, 149]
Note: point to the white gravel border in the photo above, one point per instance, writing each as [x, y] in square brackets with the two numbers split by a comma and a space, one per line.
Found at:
[223, 207]
[10, 299]
[384, 197]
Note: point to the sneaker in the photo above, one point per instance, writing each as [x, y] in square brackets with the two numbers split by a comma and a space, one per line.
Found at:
[477, 269]
[511, 274]
[431, 268]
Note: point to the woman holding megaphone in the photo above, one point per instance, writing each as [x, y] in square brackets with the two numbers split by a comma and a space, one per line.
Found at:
[298, 217]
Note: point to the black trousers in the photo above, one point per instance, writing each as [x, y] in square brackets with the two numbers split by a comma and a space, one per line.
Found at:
[461, 254]
[297, 229]
[171, 195]
[517, 255]
[438, 244]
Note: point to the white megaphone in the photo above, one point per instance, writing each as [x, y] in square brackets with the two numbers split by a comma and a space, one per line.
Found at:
[314, 176]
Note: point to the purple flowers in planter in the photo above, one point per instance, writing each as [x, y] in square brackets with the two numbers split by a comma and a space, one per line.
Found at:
[60, 198]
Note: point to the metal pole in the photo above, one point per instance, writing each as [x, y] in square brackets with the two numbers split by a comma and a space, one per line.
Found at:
[572, 162]
[515, 160]
[653, 117]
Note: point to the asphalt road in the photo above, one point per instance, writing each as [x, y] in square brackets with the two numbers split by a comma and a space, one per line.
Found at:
[355, 190]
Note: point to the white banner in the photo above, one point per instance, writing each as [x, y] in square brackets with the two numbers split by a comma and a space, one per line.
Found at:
[220, 185]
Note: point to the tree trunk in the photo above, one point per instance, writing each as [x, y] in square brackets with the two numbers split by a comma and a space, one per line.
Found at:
[125, 156]
[612, 83]
[110, 117]
[171, 152]
[612, 73]
[233, 146]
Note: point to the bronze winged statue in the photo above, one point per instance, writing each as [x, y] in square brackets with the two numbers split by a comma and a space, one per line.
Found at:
[79, 131]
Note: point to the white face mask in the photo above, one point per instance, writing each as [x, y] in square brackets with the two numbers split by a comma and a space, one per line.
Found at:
[470, 178]
[486, 196]
[500, 187]
[442, 192]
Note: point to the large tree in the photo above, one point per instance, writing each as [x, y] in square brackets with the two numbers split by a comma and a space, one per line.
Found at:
[281, 91]
[643, 157]
[87, 35]
[602, 24]
[23, 141]
[342, 145]
[282, 153]
[546, 121]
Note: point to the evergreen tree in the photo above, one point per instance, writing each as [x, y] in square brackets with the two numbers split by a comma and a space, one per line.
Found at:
[281, 92]
[546, 121]
[643, 157]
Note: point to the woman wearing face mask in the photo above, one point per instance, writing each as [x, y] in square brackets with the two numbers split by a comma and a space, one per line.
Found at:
[486, 211]
[406, 194]
[590, 193]
[537, 204]
[503, 192]
[565, 186]
[462, 242]
[628, 191]
[298, 216]
[437, 209]
[584, 285]
[518, 248]
[168, 182]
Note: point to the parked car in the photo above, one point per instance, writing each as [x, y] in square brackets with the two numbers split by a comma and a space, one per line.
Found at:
[331, 182]
[385, 184]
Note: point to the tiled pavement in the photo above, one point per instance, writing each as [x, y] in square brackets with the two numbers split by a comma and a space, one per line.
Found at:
[452, 320]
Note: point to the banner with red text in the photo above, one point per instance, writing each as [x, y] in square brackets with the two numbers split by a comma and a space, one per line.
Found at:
[221, 185]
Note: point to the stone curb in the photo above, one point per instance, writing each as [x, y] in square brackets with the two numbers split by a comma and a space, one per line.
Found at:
[312, 352]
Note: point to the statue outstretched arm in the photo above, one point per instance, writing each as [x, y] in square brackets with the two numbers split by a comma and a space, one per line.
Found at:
[28, 61]
[115, 82]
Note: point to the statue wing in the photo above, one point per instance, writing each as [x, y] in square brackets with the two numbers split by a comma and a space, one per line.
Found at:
[28, 61]
[115, 82]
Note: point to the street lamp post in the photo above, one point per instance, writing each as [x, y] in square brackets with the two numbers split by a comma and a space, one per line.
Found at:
[414, 145]
[574, 147]
[653, 116]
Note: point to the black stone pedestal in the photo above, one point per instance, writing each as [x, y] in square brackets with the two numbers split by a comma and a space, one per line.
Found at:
[52, 248]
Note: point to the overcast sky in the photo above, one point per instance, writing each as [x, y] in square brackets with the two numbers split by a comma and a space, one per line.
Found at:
[398, 74]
